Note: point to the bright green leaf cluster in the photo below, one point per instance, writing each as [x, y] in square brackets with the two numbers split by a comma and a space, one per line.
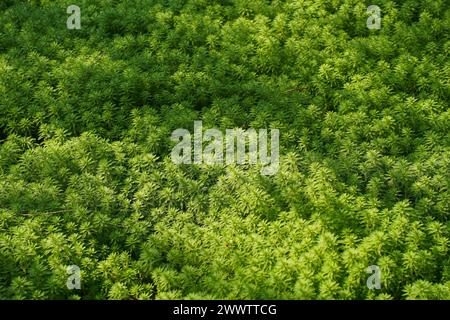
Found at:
[86, 176]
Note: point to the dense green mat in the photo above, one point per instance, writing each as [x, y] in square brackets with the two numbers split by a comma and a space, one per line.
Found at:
[86, 176]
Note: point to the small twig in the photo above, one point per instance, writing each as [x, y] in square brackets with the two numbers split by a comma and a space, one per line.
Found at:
[48, 212]
[299, 89]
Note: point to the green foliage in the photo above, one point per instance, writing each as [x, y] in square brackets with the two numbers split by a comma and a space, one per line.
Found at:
[86, 177]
